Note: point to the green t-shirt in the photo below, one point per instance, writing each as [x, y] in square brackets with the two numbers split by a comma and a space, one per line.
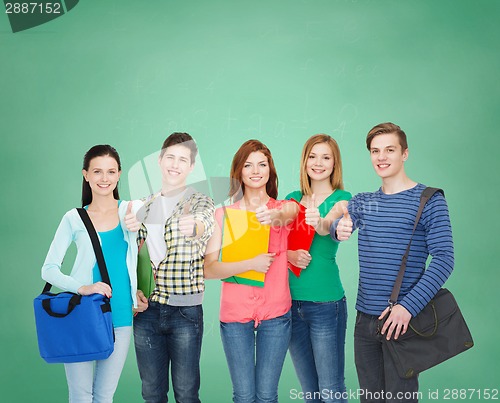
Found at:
[320, 281]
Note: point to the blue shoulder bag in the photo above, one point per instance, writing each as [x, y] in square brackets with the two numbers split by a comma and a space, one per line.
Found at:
[72, 327]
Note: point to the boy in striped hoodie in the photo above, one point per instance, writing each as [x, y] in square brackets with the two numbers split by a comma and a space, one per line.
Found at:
[385, 221]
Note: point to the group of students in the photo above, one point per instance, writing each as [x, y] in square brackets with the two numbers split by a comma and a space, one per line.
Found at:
[305, 315]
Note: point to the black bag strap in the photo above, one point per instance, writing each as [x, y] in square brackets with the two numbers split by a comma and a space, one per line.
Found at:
[73, 302]
[97, 249]
[427, 193]
[96, 245]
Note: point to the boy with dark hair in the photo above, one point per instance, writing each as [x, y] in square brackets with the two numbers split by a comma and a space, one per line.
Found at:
[177, 223]
[385, 221]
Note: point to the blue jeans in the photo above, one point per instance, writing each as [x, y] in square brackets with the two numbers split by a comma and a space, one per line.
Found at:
[169, 337]
[376, 370]
[317, 349]
[96, 381]
[255, 357]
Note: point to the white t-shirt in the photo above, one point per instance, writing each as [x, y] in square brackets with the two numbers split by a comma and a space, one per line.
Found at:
[160, 211]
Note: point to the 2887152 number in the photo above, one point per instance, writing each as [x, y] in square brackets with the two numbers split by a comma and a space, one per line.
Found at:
[33, 8]
[470, 394]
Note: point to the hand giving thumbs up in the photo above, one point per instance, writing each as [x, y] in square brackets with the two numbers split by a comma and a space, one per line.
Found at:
[187, 223]
[344, 227]
[263, 213]
[131, 222]
[312, 213]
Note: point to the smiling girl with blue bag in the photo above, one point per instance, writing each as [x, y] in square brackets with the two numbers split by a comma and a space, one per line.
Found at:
[96, 381]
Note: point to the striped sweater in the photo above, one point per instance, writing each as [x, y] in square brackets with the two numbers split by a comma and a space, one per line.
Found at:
[385, 223]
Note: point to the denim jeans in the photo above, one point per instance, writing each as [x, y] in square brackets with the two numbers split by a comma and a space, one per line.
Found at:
[377, 373]
[169, 338]
[255, 357]
[96, 381]
[317, 349]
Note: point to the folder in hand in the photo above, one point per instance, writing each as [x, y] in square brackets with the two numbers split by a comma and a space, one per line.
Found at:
[300, 237]
[243, 237]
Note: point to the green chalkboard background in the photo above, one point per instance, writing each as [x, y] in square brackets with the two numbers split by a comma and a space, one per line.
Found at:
[129, 73]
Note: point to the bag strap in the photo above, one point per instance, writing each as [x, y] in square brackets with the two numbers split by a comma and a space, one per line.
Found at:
[427, 193]
[74, 301]
[97, 249]
[96, 245]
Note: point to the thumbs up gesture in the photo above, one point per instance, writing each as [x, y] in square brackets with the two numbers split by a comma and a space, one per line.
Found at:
[312, 213]
[187, 223]
[344, 227]
[131, 222]
[263, 213]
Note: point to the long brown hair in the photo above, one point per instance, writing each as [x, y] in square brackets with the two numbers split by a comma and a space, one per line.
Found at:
[100, 150]
[336, 175]
[237, 187]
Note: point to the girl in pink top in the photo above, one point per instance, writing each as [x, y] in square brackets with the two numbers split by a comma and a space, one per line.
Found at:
[255, 322]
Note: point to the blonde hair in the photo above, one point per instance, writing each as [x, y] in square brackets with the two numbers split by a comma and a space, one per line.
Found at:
[336, 175]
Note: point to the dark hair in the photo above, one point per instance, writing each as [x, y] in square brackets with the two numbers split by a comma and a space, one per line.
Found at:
[100, 150]
[237, 187]
[183, 139]
[387, 128]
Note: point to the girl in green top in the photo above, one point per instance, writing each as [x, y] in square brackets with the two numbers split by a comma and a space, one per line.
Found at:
[319, 309]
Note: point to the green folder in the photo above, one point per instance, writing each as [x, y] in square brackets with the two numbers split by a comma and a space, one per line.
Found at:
[145, 275]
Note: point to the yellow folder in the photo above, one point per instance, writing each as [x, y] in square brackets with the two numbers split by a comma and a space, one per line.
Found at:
[243, 237]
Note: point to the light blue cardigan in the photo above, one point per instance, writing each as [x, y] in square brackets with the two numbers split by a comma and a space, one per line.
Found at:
[71, 229]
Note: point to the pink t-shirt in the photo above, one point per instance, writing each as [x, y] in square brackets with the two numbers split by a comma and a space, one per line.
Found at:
[244, 303]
